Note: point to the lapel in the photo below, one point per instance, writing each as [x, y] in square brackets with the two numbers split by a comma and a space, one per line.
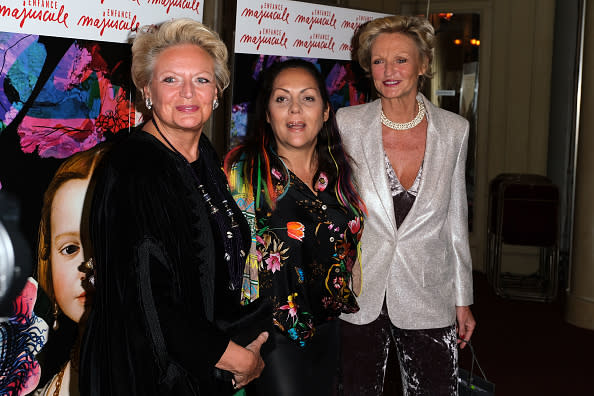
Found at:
[373, 151]
[432, 163]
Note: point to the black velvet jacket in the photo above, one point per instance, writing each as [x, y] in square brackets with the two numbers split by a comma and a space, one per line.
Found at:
[152, 329]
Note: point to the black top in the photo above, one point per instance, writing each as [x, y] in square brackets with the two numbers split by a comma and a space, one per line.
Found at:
[307, 248]
[151, 330]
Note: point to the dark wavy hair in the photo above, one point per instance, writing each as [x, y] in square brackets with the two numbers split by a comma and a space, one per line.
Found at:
[257, 155]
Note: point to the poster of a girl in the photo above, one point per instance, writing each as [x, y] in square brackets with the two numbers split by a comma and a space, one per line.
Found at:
[64, 255]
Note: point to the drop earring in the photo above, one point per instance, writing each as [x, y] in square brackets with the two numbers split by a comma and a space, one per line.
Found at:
[215, 104]
[148, 103]
[56, 324]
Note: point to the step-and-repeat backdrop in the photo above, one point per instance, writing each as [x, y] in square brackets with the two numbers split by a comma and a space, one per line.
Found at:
[272, 31]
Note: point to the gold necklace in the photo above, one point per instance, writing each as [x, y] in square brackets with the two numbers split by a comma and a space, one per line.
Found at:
[59, 380]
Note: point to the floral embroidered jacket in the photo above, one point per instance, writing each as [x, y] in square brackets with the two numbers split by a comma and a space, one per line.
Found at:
[306, 249]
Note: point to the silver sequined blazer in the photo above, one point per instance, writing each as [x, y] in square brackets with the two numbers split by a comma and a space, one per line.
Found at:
[424, 268]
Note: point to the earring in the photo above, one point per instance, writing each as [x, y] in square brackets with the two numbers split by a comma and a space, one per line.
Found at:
[215, 104]
[148, 103]
[89, 270]
[56, 324]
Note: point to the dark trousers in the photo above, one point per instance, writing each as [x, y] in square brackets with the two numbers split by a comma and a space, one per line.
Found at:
[301, 371]
[428, 359]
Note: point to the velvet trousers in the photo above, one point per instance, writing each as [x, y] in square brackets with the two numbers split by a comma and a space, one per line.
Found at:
[428, 359]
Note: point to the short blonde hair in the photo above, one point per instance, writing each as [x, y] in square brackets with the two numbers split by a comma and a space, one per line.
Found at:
[150, 41]
[419, 29]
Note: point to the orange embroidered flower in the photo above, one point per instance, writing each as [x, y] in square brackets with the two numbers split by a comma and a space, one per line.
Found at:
[295, 230]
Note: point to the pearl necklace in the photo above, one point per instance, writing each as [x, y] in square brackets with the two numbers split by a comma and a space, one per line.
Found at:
[406, 125]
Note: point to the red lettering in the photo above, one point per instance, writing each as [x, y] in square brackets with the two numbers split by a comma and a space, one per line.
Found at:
[345, 47]
[315, 20]
[350, 25]
[23, 14]
[192, 5]
[262, 14]
[274, 41]
[105, 23]
[320, 44]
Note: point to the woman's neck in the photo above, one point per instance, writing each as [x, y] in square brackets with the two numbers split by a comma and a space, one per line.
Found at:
[184, 142]
[304, 164]
[400, 109]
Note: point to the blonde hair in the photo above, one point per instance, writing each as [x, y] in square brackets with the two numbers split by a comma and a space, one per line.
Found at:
[80, 166]
[150, 41]
[418, 29]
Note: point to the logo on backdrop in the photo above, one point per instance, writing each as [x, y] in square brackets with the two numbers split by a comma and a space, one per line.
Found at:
[105, 20]
[267, 12]
[269, 37]
[318, 17]
[358, 21]
[292, 28]
[187, 5]
[48, 12]
[316, 40]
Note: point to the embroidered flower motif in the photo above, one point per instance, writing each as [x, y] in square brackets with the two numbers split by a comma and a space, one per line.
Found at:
[271, 252]
[276, 173]
[273, 262]
[295, 230]
[355, 225]
[322, 182]
[291, 306]
[342, 248]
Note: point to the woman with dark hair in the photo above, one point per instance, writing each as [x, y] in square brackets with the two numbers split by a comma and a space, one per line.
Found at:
[293, 180]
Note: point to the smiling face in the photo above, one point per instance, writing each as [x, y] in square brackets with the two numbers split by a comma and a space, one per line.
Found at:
[396, 65]
[296, 110]
[66, 251]
[182, 88]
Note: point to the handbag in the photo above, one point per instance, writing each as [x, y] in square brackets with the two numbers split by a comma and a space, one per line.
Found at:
[470, 384]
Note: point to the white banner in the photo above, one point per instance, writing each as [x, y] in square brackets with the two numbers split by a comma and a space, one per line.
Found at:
[292, 28]
[99, 20]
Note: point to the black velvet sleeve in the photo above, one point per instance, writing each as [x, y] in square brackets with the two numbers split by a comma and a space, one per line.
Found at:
[148, 331]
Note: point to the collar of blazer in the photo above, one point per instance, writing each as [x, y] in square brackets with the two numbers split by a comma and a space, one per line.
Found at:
[373, 150]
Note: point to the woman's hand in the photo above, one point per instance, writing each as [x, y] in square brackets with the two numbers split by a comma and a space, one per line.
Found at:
[242, 379]
[466, 324]
[245, 364]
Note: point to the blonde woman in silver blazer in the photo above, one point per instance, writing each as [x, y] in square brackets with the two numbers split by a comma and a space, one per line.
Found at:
[409, 161]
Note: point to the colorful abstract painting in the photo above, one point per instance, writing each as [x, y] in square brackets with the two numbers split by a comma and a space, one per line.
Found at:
[58, 96]
[62, 105]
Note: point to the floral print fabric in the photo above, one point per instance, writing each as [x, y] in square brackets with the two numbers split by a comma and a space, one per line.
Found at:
[306, 250]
